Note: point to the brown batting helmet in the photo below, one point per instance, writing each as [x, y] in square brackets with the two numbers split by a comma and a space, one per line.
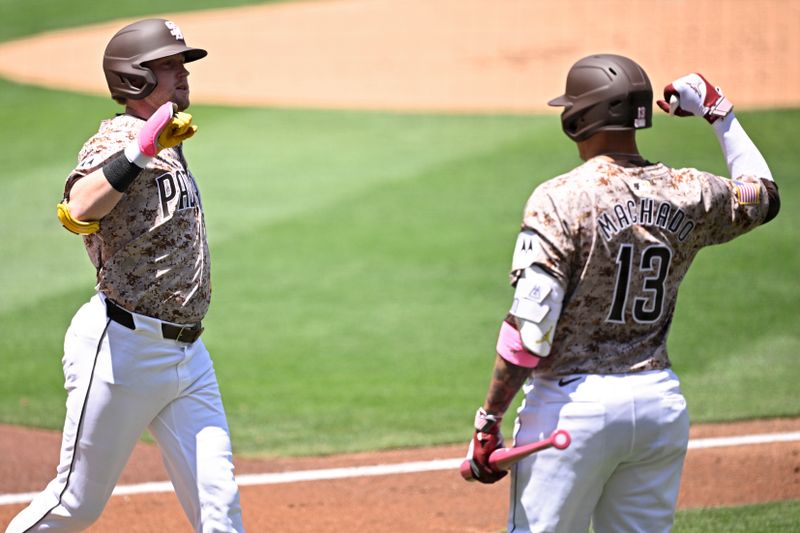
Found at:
[605, 92]
[136, 44]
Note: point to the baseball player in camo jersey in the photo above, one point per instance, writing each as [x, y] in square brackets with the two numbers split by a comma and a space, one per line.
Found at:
[133, 356]
[596, 269]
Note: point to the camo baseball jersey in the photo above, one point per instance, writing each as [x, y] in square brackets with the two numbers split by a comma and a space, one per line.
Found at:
[620, 239]
[151, 253]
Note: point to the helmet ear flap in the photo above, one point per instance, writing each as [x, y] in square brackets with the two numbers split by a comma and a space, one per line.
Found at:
[579, 123]
[616, 107]
[138, 83]
[570, 125]
[135, 84]
[129, 80]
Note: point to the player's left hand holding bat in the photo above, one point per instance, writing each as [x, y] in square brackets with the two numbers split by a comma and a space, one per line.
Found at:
[486, 439]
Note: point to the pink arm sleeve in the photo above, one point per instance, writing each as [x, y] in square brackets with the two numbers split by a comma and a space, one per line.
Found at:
[510, 347]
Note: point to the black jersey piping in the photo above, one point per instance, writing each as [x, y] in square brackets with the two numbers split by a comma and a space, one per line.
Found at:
[80, 426]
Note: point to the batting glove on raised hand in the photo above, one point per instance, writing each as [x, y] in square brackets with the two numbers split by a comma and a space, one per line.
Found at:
[165, 128]
[693, 95]
[487, 438]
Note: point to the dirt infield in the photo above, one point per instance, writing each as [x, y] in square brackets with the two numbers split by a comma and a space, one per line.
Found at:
[452, 55]
[438, 501]
[444, 55]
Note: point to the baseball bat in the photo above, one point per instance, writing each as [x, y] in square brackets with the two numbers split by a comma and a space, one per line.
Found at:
[503, 458]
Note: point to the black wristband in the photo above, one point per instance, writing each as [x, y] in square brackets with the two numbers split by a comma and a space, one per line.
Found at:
[120, 172]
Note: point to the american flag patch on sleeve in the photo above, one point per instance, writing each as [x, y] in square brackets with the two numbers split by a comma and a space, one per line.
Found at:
[747, 193]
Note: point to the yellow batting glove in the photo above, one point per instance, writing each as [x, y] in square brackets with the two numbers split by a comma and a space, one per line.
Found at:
[165, 128]
[177, 130]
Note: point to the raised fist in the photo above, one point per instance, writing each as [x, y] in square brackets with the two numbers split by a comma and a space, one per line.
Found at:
[693, 95]
[487, 438]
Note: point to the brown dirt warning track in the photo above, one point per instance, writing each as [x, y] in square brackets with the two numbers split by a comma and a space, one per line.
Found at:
[441, 56]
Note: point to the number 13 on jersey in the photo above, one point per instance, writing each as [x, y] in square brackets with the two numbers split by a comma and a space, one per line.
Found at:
[648, 300]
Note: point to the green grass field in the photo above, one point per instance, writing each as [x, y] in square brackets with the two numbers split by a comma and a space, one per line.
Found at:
[360, 263]
[780, 517]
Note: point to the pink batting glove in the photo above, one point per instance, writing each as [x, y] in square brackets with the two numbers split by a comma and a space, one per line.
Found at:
[165, 128]
[148, 136]
[693, 95]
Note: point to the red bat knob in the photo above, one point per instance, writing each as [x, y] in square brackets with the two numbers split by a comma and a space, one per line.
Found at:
[466, 471]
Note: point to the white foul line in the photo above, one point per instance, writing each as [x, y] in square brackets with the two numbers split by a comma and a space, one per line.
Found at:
[387, 469]
[743, 440]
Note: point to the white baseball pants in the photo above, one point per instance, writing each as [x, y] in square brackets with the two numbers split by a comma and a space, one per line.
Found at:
[622, 470]
[119, 382]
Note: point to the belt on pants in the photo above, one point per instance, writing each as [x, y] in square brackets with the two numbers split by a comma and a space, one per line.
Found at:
[187, 334]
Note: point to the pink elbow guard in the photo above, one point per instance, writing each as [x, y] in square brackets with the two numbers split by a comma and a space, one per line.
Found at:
[510, 347]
